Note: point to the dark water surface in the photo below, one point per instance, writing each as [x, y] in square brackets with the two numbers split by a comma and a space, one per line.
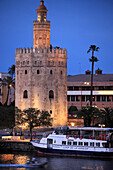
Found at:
[56, 163]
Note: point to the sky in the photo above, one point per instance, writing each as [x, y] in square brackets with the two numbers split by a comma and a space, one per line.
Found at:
[75, 25]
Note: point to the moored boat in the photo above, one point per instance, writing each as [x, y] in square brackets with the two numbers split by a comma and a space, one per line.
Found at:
[83, 142]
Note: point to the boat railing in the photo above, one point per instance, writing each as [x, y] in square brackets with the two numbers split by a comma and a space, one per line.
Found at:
[99, 137]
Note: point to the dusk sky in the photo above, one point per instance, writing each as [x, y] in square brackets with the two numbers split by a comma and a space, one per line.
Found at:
[75, 25]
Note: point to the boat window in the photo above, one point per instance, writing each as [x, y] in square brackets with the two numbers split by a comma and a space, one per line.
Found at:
[54, 141]
[85, 143]
[74, 143]
[80, 143]
[103, 144]
[69, 143]
[92, 144]
[63, 142]
[98, 144]
[50, 141]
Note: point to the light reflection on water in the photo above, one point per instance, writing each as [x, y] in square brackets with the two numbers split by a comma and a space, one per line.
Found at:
[56, 163]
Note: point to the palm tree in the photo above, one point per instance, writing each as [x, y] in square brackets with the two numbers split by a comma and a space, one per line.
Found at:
[12, 71]
[8, 82]
[92, 59]
[89, 114]
[106, 117]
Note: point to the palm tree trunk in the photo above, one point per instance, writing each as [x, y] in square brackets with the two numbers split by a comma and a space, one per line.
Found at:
[91, 98]
[30, 133]
[6, 103]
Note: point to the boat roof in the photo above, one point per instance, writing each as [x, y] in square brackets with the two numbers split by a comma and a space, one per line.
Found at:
[90, 128]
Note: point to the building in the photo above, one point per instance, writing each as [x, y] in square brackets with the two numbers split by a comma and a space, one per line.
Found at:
[4, 90]
[78, 93]
[41, 73]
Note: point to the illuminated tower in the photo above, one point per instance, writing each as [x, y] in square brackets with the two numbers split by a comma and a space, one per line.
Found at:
[41, 73]
[41, 28]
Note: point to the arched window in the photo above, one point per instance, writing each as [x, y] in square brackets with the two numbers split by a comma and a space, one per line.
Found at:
[38, 71]
[51, 72]
[51, 94]
[25, 94]
[25, 71]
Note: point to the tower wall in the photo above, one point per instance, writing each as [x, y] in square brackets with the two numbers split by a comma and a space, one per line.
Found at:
[46, 72]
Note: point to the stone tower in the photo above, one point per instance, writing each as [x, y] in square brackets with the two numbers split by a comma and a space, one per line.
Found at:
[41, 73]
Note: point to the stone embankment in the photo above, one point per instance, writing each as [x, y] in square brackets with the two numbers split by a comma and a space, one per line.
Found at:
[22, 145]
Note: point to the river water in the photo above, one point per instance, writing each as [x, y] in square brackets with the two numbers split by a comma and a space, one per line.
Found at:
[56, 163]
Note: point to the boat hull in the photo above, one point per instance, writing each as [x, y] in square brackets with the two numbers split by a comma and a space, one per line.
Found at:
[74, 153]
[23, 165]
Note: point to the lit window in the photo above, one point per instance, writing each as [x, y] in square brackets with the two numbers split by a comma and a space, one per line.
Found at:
[39, 17]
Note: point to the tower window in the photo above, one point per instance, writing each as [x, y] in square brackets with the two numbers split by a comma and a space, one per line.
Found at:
[51, 72]
[50, 111]
[38, 71]
[61, 72]
[51, 94]
[25, 94]
[25, 71]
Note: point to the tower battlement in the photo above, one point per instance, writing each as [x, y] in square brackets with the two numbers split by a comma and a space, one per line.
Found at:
[44, 50]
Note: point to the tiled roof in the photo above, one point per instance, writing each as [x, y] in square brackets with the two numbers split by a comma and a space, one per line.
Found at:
[87, 78]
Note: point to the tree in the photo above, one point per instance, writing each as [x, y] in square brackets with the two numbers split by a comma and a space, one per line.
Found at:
[72, 110]
[8, 82]
[12, 71]
[89, 114]
[92, 59]
[7, 117]
[106, 117]
[34, 118]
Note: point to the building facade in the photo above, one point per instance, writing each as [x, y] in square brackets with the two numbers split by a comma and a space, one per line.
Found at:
[4, 90]
[41, 73]
[78, 93]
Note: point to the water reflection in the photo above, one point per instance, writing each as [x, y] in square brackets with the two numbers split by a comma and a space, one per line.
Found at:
[57, 163]
[6, 157]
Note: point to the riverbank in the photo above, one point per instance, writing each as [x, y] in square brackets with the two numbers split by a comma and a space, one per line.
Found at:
[20, 146]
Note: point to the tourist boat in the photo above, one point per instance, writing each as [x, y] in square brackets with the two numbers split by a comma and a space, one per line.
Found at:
[83, 142]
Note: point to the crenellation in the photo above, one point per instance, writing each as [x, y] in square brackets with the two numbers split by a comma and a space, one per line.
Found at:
[45, 50]
[36, 50]
[58, 51]
[24, 50]
[20, 50]
[31, 50]
[27, 50]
